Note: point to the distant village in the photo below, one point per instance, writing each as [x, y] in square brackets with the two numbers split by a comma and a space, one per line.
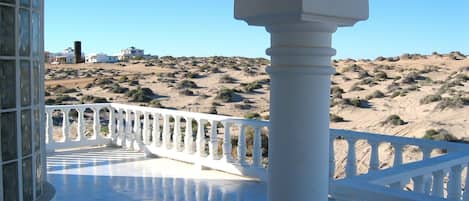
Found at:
[76, 55]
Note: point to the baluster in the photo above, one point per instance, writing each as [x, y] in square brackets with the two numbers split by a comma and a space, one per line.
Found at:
[120, 125]
[49, 127]
[81, 124]
[397, 154]
[454, 183]
[466, 185]
[96, 123]
[200, 140]
[137, 126]
[438, 180]
[257, 148]
[213, 148]
[188, 139]
[419, 184]
[65, 125]
[166, 131]
[177, 133]
[128, 129]
[374, 159]
[227, 157]
[146, 128]
[331, 157]
[242, 145]
[351, 167]
[428, 182]
[156, 130]
[426, 152]
[112, 124]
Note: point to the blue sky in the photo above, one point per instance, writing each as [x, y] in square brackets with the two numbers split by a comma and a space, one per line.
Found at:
[207, 27]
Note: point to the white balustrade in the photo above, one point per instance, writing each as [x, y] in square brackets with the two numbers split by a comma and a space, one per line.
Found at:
[127, 129]
[65, 140]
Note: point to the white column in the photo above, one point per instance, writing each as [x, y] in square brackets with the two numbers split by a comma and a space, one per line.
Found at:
[301, 35]
[299, 111]
[96, 124]
[81, 124]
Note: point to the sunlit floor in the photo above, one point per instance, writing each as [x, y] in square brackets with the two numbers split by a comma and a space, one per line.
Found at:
[117, 175]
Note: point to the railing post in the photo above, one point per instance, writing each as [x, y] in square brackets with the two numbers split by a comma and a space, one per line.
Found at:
[213, 148]
[466, 185]
[146, 128]
[200, 140]
[397, 154]
[127, 140]
[96, 123]
[426, 152]
[177, 133]
[112, 125]
[438, 181]
[419, 184]
[137, 126]
[120, 127]
[166, 134]
[81, 124]
[257, 148]
[454, 183]
[331, 158]
[49, 127]
[227, 147]
[65, 125]
[242, 145]
[156, 130]
[351, 167]
[188, 139]
[374, 159]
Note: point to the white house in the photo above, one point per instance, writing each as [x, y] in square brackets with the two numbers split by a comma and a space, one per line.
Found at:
[101, 58]
[131, 52]
[65, 57]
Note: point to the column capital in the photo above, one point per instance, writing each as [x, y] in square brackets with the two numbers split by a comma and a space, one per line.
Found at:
[267, 12]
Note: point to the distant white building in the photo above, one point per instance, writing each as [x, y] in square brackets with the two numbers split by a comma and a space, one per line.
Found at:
[65, 57]
[101, 58]
[130, 53]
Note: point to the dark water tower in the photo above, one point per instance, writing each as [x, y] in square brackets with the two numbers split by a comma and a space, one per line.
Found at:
[78, 52]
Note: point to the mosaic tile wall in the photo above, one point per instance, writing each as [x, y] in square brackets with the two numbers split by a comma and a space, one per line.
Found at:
[21, 99]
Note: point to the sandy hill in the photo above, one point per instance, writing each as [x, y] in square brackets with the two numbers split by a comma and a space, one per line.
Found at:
[406, 95]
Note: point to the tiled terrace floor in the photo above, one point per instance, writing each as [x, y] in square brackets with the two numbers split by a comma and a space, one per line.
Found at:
[117, 175]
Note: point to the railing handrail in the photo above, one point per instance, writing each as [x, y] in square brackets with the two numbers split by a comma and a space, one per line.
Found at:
[450, 146]
[424, 167]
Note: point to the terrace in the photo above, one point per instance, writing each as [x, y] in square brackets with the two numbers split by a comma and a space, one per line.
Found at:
[142, 153]
[123, 152]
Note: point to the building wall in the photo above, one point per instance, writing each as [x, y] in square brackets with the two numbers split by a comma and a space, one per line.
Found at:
[22, 157]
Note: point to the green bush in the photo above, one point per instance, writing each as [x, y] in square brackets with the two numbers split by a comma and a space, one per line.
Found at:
[93, 99]
[439, 135]
[394, 120]
[226, 95]
[186, 84]
[227, 79]
[116, 88]
[250, 87]
[336, 118]
[375, 94]
[252, 115]
[430, 99]
[141, 95]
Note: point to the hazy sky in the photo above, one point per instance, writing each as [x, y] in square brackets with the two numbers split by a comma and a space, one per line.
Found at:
[207, 27]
